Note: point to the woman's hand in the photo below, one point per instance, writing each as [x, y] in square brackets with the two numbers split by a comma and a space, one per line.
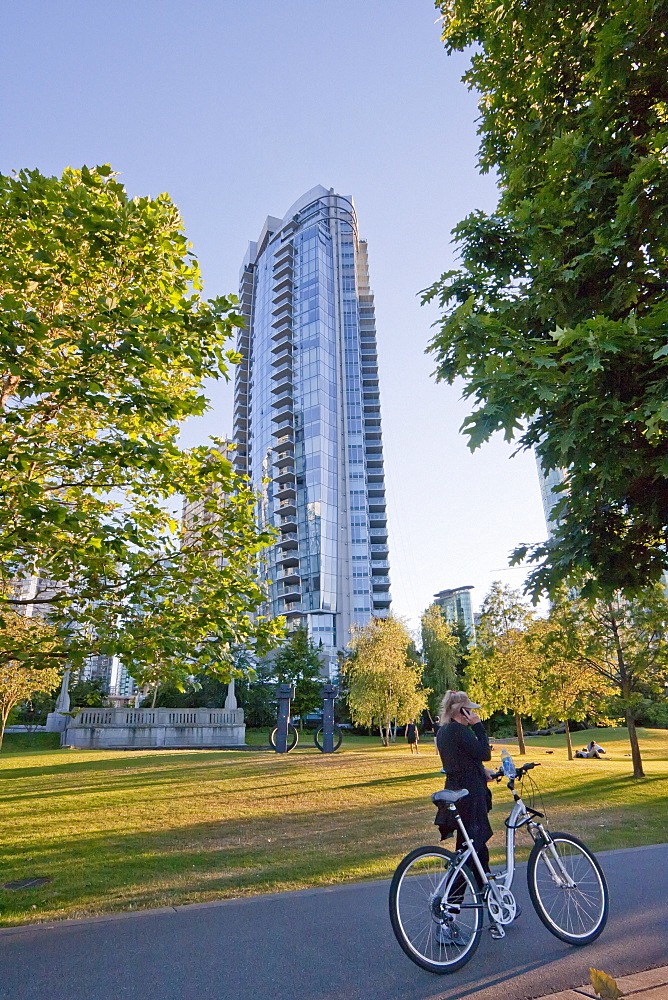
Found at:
[488, 774]
[468, 717]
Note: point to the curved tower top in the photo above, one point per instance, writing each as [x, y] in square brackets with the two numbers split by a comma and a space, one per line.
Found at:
[307, 417]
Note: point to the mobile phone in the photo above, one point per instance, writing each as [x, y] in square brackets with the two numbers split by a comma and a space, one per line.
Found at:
[465, 712]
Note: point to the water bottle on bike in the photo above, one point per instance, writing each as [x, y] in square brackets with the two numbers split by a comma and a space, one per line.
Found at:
[507, 764]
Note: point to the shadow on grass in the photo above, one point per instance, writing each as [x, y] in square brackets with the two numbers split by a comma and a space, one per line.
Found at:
[265, 852]
[106, 871]
[602, 787]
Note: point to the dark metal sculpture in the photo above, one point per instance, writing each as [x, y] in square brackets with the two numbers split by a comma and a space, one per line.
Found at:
[285, 693]
[328, 737]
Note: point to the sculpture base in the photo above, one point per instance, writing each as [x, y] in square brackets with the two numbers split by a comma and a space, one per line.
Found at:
[56, 722]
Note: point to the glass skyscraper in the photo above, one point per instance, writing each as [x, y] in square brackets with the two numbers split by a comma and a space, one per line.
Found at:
[550, 494]
[307, 417]
[456, 606]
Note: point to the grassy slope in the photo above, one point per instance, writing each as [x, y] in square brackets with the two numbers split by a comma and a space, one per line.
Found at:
[119, 830]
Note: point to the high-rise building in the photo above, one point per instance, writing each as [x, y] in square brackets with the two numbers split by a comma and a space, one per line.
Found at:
[550, 493]
[307, 417]
[121, 685]
[194, 515]
[99, 667]
[456, 607]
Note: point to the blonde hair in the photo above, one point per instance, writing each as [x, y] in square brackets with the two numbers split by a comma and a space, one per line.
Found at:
[452, 702]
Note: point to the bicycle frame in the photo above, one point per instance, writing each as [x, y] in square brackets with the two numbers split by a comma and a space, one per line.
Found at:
[438, 898]
[520, 815]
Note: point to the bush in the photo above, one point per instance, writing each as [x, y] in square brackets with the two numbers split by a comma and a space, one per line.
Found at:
[654, 715]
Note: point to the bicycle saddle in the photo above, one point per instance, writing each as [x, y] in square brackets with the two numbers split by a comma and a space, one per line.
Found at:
[445, 795]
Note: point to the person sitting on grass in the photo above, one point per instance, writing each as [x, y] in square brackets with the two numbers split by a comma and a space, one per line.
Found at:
[592, 751]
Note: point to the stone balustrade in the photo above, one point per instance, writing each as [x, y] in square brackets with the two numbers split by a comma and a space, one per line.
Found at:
[178, 728]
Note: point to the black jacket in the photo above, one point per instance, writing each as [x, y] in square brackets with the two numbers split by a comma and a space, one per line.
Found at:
[463, 749]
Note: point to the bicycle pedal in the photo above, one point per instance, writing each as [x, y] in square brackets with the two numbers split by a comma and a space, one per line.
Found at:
[496, 932]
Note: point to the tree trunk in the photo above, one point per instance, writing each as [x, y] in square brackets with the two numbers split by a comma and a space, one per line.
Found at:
[569, 742]
[155, 695]
[627, 691]
[635, 748]
[3, 722]
[520, 734]
[386, 730]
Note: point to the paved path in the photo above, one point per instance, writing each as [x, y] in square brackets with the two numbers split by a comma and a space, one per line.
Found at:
[650, 985]
[322, 944]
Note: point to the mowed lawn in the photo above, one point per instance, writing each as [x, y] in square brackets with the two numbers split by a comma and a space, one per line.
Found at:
[122, 830]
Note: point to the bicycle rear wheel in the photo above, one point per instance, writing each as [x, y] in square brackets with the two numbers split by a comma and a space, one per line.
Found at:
[436, 912]
[568, 889]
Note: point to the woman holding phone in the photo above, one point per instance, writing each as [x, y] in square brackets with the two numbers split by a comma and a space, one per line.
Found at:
[463, 746]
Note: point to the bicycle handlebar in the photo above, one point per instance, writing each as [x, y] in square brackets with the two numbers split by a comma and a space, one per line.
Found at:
[519, 771]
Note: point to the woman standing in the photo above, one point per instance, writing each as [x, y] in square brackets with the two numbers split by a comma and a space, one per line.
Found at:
[463, 745]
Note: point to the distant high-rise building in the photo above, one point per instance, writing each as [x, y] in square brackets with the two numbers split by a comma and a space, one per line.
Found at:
[550, 494]
[33, 587]
[99, 667]
[194, 515]
[121, 684]
[456, 606]
[307, 417]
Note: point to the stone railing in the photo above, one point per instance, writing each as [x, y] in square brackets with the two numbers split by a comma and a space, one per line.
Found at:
[159, 717]
[185, 728]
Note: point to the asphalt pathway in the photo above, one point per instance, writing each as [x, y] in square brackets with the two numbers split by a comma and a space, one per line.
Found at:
[321, 944]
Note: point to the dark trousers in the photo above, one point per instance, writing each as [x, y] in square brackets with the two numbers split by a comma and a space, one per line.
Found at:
[481, 850]
[479, 844]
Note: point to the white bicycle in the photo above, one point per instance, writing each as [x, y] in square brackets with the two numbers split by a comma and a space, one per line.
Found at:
[438, 897]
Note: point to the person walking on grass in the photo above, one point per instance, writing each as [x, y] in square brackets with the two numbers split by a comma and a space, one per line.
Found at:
[412, 736]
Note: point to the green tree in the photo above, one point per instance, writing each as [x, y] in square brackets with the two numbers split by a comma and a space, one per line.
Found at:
[257, 696]
[504, 667]
[18, 682]
[88, 692]
[557, 318]
[441, 654]
[569, 689]
[27, 665]
[104, 345]
[382, 678]
[625, 642]
[298, 662]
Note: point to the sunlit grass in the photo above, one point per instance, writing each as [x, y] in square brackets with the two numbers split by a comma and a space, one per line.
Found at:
[117, 830]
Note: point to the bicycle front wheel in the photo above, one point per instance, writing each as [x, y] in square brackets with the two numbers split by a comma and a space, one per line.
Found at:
[568, 889]
[436, 911]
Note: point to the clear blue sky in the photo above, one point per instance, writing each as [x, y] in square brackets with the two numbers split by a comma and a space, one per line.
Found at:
[237, 108]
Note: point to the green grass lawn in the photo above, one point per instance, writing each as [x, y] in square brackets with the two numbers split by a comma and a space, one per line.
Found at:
[122, 830]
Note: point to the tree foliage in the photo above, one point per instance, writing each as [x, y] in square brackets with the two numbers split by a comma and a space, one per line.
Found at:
[441, 654]
[570, 689]
[504, 666]
[299, 663]
[27, 665]
[557, 318]
[624, 642]
[383, 679]
[104, 344]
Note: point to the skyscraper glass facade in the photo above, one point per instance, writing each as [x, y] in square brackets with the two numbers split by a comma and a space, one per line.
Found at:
[550, 494]
[307, 417]
[456, 607]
